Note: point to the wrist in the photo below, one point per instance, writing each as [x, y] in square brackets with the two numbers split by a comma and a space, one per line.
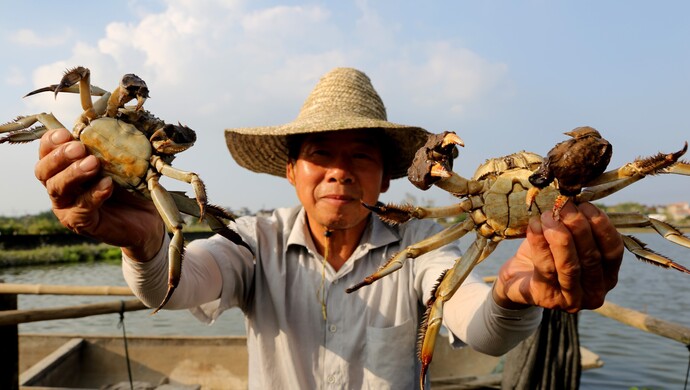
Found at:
[501, 299]
[147, 250]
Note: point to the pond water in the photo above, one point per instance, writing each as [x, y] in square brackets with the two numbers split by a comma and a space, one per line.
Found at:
[632, 358]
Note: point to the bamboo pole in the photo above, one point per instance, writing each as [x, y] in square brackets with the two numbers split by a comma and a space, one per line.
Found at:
[9, 358]
[9, 317]
[56, 289]
[646, 322]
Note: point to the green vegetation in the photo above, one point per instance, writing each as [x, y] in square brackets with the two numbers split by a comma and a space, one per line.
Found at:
[42, 223]
[46, 223]
[628, 207]
[59, 254]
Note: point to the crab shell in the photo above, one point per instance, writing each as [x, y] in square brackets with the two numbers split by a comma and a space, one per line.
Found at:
[501, 211]
[123, 150]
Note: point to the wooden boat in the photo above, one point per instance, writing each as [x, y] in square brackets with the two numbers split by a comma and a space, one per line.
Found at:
[64, 361]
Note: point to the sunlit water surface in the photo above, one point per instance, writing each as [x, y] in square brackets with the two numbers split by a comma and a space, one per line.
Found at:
[632, 358]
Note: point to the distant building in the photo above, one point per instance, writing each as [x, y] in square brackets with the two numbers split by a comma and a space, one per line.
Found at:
[678, 211]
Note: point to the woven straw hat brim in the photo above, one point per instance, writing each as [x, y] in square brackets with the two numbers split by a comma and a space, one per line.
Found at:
[265, 149]
[343, 99]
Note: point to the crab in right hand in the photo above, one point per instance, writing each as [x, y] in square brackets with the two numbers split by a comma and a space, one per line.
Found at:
[135, 148]
[570, 165]
[494, 200]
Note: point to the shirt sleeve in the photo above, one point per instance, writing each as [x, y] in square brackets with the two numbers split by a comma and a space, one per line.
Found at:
[211, 268]
[474, 317]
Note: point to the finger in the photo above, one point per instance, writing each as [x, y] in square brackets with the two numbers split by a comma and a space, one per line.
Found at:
[52, 139]
[65, 186]
[57, 151]
[565, 259]
[82, 216]
[609, 242]
[542, 260]
[588, 254]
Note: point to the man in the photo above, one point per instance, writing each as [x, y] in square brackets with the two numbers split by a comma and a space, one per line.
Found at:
[304, 331]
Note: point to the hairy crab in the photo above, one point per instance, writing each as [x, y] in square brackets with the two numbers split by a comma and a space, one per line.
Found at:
[135, 149]
[496, 202]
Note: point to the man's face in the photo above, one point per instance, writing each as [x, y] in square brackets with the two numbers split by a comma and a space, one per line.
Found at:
[335, 171]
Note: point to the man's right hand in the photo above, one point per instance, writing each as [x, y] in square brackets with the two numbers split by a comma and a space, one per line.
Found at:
[90, 204]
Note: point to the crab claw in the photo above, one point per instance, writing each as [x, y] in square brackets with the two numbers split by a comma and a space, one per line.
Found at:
[131, 87]
[72, 77]
[434, 160]
[135, 87]
[392, 214]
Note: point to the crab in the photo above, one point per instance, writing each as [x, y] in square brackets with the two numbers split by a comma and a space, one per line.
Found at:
[135, 148]
[494, 200]
[571, 163]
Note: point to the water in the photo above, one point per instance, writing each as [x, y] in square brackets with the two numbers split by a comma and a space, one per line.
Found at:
[632, 358]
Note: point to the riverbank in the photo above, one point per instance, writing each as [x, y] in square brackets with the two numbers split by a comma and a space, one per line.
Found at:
[53, 254]
[46, 249]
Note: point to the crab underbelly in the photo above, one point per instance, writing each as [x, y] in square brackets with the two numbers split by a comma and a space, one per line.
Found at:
[505, 212]
[123, 150]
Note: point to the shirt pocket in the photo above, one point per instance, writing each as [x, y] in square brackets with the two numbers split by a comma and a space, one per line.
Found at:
[390, 355]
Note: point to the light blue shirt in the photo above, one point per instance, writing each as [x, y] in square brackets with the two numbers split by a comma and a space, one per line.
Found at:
[369, 337]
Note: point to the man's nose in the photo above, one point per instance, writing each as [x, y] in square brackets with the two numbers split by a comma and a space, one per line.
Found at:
[341, 172]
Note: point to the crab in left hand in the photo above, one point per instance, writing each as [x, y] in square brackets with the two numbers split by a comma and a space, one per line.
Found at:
[497, 202]
[135, 148]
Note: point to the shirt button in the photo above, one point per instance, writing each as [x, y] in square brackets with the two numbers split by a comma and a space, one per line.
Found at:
[333, 328]
[331, 379]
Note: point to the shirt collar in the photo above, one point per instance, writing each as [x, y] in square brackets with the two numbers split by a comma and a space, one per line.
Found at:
[377, 234]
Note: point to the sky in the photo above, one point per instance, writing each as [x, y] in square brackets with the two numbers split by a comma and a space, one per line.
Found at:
[506, 76]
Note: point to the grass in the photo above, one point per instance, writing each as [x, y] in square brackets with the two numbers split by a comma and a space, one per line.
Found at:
[59, 254]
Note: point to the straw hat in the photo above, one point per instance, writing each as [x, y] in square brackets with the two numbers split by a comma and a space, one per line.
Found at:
[344, 99]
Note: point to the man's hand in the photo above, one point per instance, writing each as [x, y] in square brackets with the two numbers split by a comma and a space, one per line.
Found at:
[569, 264]
[90, 204]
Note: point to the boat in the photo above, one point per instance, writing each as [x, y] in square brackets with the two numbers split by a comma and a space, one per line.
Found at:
[70, 361]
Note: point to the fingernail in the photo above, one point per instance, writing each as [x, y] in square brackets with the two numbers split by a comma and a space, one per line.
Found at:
[60, 137]
[74, 150]
[104, 183]
[535, 225]
[88, 164]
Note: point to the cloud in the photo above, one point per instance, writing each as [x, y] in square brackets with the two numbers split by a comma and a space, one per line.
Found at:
[449, 77]
[15, 76]
[27, 37]
[214, 65]
[221, 54]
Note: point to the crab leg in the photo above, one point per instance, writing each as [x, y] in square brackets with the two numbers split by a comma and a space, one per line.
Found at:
[94, 90]
[458, 186]
[394, 215]
[449, 282]
[21, 131]
[215, 217]
[188, 177]
[638, 169]
[639, 249]
[173, 221]
[679, 168]
[437, 240]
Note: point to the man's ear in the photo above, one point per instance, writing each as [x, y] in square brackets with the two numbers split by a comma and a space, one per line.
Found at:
[290, 172]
